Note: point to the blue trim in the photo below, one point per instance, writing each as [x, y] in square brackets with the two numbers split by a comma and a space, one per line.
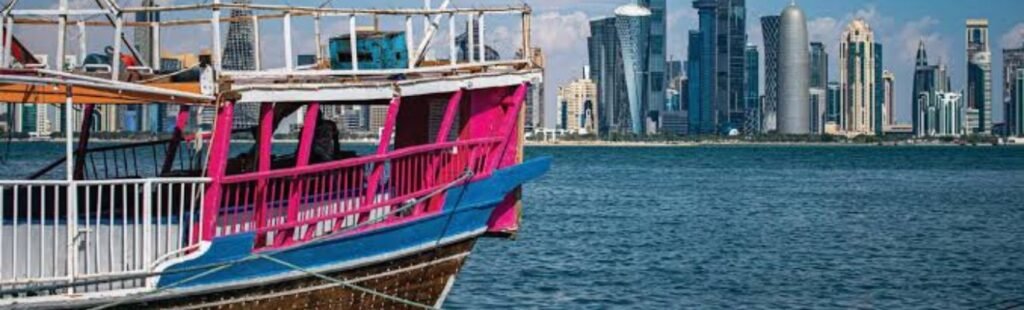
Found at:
[466, 210]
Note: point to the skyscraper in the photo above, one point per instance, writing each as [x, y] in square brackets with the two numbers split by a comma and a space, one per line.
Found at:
[144, 35]
[619, 50]
[819, 65]
[656, 57]
[924, 81]
[794, 73]
[821, 95]
[834, 104]
[979, 74]
[239, 55]
[1013, 60]
[753, 94]
[700, 107]
[889, 91]
[723, 37]
[859, 59]
[606, 70]
[770, 29]
[239, 52]
[631, 23]
[1017, 112]
[580, 110]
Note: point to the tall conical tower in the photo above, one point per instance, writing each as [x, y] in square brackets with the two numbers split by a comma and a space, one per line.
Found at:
[239, 51]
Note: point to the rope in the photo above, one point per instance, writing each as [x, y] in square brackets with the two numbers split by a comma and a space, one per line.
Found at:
[408, 205]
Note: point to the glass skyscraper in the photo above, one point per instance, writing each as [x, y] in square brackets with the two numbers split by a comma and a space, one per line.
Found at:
[979, 74]
[656, 54]
[753, 91]
[723, 43]
[819, 65]
[632, 25]
[620, 51]
[770, 29]
[1013, 60]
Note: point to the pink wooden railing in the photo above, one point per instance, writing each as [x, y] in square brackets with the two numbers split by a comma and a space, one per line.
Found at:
[337, 197]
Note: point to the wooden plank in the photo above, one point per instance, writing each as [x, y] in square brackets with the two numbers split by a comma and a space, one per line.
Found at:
[56, 94]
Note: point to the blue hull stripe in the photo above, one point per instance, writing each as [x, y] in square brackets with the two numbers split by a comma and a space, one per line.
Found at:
[465, 214]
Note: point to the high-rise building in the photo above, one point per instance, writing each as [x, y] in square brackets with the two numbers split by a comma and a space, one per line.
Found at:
[943, 113]
[834, 104]
[579, 112]
[794, 73]
[979, 74]
[620, 51]
[888, 101]
[144, 35]
[1016, 114]
[818, 105]
[819, 66]
[239, 55]
[632, 25]
[723, 43]
[1013, 60]
[753, 92]
[607, 72]
[701, 72]
[535, 112]
[859, 80]
[770, 29]
[657, 66]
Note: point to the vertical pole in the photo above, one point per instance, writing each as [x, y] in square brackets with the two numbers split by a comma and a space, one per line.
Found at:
[83, 141]
[264, 143]
[436, 165]
[116, 58]
[471, 34]
[410, 39]
[179, 134]
[353, 36]
[155, 59]
[215, 50]
[508, 125]
[289, 63]
[71, 199]
[382, 148]
[62, 27]
[452, 49]
[527, 29]
[286, 237]
[83, 43]
[483, 43]
[319, 40]
[257, 57]
[216, 167]
[426, 19]
[8, 40]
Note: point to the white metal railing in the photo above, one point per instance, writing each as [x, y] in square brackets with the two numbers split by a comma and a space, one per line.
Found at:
[53, 232]
[417, 47]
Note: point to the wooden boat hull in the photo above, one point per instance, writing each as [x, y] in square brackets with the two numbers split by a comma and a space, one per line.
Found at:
[424, 277]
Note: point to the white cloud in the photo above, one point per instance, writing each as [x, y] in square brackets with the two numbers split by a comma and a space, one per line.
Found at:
[557, 33]
[1013, 38]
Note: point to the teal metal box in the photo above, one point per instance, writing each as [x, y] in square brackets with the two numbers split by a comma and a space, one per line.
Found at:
[375, 50]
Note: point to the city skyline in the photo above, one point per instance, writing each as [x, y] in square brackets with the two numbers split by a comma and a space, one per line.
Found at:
[901, 24]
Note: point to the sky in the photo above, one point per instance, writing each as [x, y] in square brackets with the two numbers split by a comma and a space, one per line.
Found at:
[561, 28]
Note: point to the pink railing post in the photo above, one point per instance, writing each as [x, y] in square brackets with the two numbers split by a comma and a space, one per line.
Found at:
[179, 134]
[265, 150]
[220, 146]
[515, 103]
[382, 148]
[83, 141]
[442, 137]
[301, 160]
